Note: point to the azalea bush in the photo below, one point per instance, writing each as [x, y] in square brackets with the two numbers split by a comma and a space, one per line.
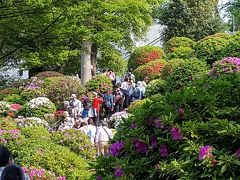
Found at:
[181, 135]
[225, 66]
[33, 149]
[40, 106]
[4, 93]
[155, 86]
[31, 121]
[47, 74]
[178, 73]
[144, 55]
[77, 141]
[212, 48]
[151, 70]
[176, 42]
[182, 53]
[99, 83]
[59, 89]
[233, 48]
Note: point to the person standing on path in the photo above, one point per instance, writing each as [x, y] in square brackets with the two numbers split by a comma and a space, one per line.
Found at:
[103, 135]
[76, 107]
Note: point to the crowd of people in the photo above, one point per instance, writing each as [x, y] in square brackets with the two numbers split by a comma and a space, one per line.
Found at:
[91, 115]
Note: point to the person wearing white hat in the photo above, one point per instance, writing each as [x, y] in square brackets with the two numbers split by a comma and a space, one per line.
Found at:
[76, 107]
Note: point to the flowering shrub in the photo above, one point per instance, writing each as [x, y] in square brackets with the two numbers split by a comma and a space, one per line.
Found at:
[179, 73]
[151, 70]
[39, 106]
[233, 48]
[28, 94]
[136, 105]
[154, 87]
[212, 48]
[225, 66]
[31, 121]
[176, 42]
[182, 135]
[144, 55]
[76, 141]
[58, 89]
[36, 149]
[47, 74]
[99, 83]
[14, 98]
[8, 91]
[4, 108]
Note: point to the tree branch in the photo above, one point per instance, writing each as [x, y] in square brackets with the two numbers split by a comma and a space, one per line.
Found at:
[34, 38]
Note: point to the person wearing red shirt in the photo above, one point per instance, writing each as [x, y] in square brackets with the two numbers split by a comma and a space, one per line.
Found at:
[97, 102]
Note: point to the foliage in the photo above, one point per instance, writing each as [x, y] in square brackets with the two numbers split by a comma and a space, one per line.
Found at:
[35, 148]
[212, 48]
[54, 39]
[225, 66]
[28, 94]
[58, 89]
[182, 53]
[4, 108]
[75, 140]
[136, 105]
[233, 9]
[99, 83]
[8, 91]
[143, 55]
[40, 106]
[47, 74]
[14, 98]
[183, 135]
[177, 42]
[154, 87]
[178, 73]
[151, 70]
[7, 123]
[233, 48]
[192, 19]
[112, 59]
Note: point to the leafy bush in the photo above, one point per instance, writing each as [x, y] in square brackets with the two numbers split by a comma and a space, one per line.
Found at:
[212, 48]
[8, 91]
[176, 42]
[37, 149]
[136, 105]
[7, 123]
[31, 121]
[144, 55]
[225, 66]
[76, 141]
[154, 87]
[40, 106]
[28, 94]
[47, 74]
[183, 135]
[181, 53]
[58, 89]
[233, 48]
[4, 108]
[14, 98]
[99, 83]
[179, 73]
[151, 70]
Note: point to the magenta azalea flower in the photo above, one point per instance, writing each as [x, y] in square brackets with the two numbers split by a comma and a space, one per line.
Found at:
[153, 141]
[119, 172]
[176, 134]
[133, 126]
[205, 152]
[149, 122]
[116, 148]
[158, 123]
[238, 153]
[181, 112]
[141, 147]
[99, 178]
[163, 151]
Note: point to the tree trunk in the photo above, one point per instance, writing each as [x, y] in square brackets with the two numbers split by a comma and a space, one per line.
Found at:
[86, 74]
[94, 59]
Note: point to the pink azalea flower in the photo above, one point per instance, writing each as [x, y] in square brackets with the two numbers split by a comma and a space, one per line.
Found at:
[176, 134]
[205, 152]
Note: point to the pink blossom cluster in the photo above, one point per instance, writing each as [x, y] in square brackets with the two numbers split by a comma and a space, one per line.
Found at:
[8, 134]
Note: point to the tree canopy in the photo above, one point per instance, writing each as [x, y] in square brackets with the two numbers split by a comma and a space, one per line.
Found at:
[194, 19]
[50, 33]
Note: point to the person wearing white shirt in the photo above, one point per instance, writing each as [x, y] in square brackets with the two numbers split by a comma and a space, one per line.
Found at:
[103, 135]
[92, 128]
[76, 107]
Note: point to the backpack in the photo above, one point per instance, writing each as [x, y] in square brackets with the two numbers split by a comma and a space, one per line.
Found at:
[107, 101]
[136, 93]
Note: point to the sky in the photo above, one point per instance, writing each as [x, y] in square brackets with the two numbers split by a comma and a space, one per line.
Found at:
[153, 32]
